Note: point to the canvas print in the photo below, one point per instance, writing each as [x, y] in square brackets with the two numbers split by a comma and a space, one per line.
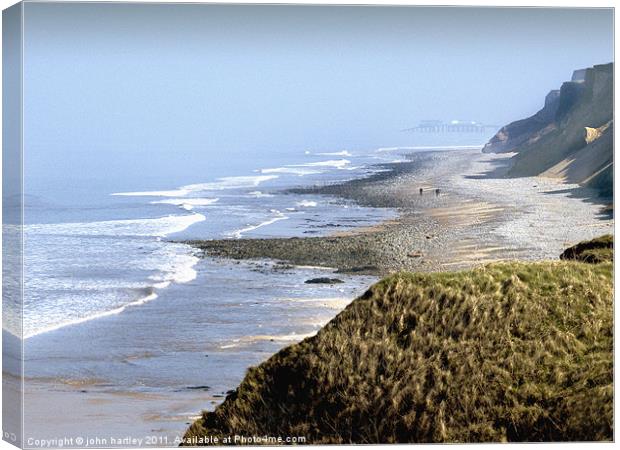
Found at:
[306, 224]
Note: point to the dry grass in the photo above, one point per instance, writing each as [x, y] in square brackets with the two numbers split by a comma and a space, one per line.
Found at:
[508, 352]
[595, 251]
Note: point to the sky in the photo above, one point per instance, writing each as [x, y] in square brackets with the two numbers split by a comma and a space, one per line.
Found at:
[134, 85]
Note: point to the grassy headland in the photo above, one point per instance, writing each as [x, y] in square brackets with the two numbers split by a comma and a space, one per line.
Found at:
[510, 351]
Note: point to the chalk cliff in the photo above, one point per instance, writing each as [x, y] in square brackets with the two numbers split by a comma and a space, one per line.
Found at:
[571, 137]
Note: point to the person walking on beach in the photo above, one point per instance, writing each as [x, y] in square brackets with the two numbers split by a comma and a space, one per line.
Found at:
[421, 191]
[437, 191]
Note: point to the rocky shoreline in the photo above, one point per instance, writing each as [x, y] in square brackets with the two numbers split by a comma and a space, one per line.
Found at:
[402, 244]
[462, 226]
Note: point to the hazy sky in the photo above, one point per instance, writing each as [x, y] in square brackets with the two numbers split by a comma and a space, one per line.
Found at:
[150, 81]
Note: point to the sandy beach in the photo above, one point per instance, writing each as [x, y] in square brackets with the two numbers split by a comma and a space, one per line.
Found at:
[476, 217]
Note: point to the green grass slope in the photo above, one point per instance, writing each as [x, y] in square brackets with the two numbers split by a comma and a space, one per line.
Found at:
[507, 352]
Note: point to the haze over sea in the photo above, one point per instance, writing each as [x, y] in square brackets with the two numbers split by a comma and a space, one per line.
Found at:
[95, 255]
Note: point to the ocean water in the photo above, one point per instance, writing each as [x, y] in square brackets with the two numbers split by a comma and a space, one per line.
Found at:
[121, 319]
[93, 250]
[96, 244]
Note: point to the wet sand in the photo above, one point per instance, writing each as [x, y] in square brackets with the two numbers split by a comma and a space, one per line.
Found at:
[476, 218]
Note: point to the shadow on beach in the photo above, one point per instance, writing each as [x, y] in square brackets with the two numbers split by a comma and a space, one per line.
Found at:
[589, 195]
[499, 169]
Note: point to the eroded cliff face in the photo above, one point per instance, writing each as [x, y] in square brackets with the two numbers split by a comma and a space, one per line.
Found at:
[571, 137]
[516, 133]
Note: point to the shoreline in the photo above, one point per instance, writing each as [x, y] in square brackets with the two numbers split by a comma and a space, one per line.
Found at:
[233, 316]
[388, 246]
[464, 226]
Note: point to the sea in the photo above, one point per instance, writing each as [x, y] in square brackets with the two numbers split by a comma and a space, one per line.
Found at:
[118, 308]
[93, 251]
[120, 250]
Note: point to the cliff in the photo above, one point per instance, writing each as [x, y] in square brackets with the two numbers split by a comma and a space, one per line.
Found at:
[507, 352]
[571, 137]
[511, 136]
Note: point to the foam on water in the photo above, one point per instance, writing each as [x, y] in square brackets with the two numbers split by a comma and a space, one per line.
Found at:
[291, 170]
[335, 163]
[306, 204]
[312, 168]
[292, 337]
[159, 227]
[171, 193]
[238, 234]
[222, 183]
[187, 201]
[112, 312]
[188, 204]
[259, 194]
[231, 183]
[342, 153]
[90, 270]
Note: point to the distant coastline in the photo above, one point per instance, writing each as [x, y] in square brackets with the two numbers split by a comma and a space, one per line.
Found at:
[459, 227]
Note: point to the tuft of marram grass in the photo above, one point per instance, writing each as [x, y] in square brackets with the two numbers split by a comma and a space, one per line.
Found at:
[595, 251]
[508, 352]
